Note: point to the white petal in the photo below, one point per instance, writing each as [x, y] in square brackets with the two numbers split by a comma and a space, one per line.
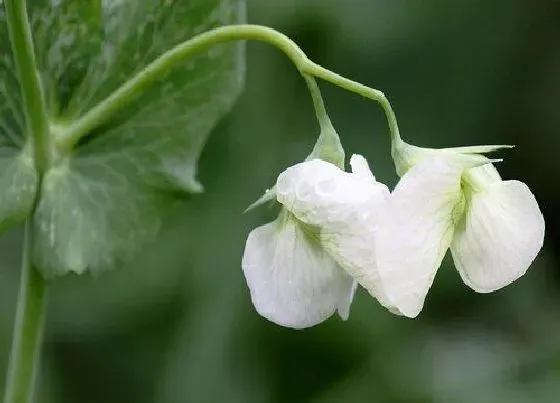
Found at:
[293, 282]
[344, 207]
[501, 235]
[416, 230]
[352, 245]
[317, 192]
[360, 168]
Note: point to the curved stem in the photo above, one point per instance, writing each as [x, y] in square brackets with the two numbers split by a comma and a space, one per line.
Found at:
[133, 87]
[98, 115]
[360, 89]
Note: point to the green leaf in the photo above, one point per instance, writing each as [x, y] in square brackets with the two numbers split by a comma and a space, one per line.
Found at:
[68, 36]
[18, 179]
[106, 199]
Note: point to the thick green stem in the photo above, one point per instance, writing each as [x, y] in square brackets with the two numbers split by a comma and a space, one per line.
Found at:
[132, 88]
[30, 83]
[28, 329]
[30, 315]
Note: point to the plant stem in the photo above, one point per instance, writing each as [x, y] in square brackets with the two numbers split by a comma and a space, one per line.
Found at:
[28, 329]
[30, 83]
[328, 146]
[353, 86]
[30, 315]
[318, 103]
[103, 111]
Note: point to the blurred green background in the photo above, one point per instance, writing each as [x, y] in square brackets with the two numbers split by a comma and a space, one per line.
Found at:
[177, 325]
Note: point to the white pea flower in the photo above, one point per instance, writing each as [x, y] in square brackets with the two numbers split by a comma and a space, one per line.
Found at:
[297, 267]
[453, 198]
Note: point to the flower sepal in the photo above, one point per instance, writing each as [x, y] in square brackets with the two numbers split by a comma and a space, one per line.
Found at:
[405, 155]
[327, 148]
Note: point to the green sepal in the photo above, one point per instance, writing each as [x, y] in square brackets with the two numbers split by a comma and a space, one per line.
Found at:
[328, 148]
[478, 149]
[405, 155]
[268, 197]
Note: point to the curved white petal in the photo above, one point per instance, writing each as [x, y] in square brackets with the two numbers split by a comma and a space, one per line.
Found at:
[344, 207]
[502, 233]
[416, 230]
[318, 192]
[293, 282]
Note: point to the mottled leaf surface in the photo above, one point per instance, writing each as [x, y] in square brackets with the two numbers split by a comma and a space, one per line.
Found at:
[106, 199]
[17, 174]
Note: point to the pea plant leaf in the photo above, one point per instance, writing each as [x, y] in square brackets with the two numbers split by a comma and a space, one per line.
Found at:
[18, 179]
[106, 198]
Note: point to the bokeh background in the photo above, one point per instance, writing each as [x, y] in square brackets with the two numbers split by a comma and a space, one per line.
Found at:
[176, 324]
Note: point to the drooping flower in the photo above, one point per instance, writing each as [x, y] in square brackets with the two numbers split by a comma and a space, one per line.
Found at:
[297, 267]
[453, 198]
[292, 280]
